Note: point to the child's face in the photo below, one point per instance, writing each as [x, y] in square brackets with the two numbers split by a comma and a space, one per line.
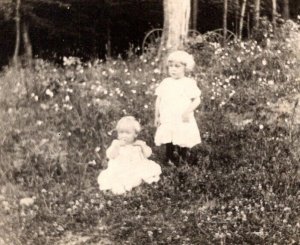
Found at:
[127, 134]
[176, 69]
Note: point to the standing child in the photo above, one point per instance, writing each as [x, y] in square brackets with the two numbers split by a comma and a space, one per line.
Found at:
[128, 162]
[177, 98]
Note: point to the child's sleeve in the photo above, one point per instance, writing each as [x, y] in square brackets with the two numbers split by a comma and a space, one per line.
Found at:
[160, 89]
[192, 89]
[146, 150]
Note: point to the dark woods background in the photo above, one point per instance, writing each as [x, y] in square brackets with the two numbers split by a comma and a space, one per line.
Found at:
[89, 28]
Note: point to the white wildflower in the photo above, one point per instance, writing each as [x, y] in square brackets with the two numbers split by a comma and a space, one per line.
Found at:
[232, 93]
[157, 71]
[6, 205]
[39, 122]
[264, 62]
[49, 93]
[27, 201]
[93, 163]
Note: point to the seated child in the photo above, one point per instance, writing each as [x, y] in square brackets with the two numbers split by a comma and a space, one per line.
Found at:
[128, 162]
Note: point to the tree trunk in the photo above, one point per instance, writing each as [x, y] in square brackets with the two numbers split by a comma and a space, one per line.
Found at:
[225, 9]
[194, 15]
[176, 23]
[274, 12]
[27, 45]
[256, 13]
[15, 59]
[241, 26]
[248, 25]
[236, 15]
[108, 41]
[286, 9]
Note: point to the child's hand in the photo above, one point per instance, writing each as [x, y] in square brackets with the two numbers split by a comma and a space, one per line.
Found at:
[139, 143]
[185, 117]
[121, 143]
[146, 150]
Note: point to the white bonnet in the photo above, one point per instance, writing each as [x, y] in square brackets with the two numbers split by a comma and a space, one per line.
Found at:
[182, 57]
[129, 121]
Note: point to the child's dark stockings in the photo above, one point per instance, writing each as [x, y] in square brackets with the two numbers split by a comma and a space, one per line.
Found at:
[176, 154]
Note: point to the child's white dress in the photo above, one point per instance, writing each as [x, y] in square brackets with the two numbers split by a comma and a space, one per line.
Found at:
[128, 170]
[176, 96]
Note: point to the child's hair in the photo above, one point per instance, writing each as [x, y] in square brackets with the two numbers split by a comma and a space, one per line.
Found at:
[182, 57]
[129, 121]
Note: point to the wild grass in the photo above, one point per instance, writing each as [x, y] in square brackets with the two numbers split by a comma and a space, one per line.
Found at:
[241, 185]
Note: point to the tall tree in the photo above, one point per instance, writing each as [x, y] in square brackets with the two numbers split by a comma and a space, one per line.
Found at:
[274, 12]
[27, 44]
[241, 26]
[225, 12]
[18, 32]
[21, 11]
[256, 15]
[286, 9]
[176, 24]
[236, 16]
[194, 17]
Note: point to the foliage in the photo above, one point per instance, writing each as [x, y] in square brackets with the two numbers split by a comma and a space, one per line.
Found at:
[241, 184]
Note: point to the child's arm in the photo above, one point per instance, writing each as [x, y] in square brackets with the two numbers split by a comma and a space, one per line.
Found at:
[157, 115]
[146, 150]
[113, 151]
[193, 105]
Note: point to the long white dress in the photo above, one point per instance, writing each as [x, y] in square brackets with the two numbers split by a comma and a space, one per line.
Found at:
[175, 97]
[128, 170]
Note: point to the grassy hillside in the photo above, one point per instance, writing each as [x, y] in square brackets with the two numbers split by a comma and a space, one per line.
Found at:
[241, 185]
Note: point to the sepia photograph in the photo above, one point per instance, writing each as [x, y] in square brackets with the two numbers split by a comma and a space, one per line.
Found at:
[149, 122]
